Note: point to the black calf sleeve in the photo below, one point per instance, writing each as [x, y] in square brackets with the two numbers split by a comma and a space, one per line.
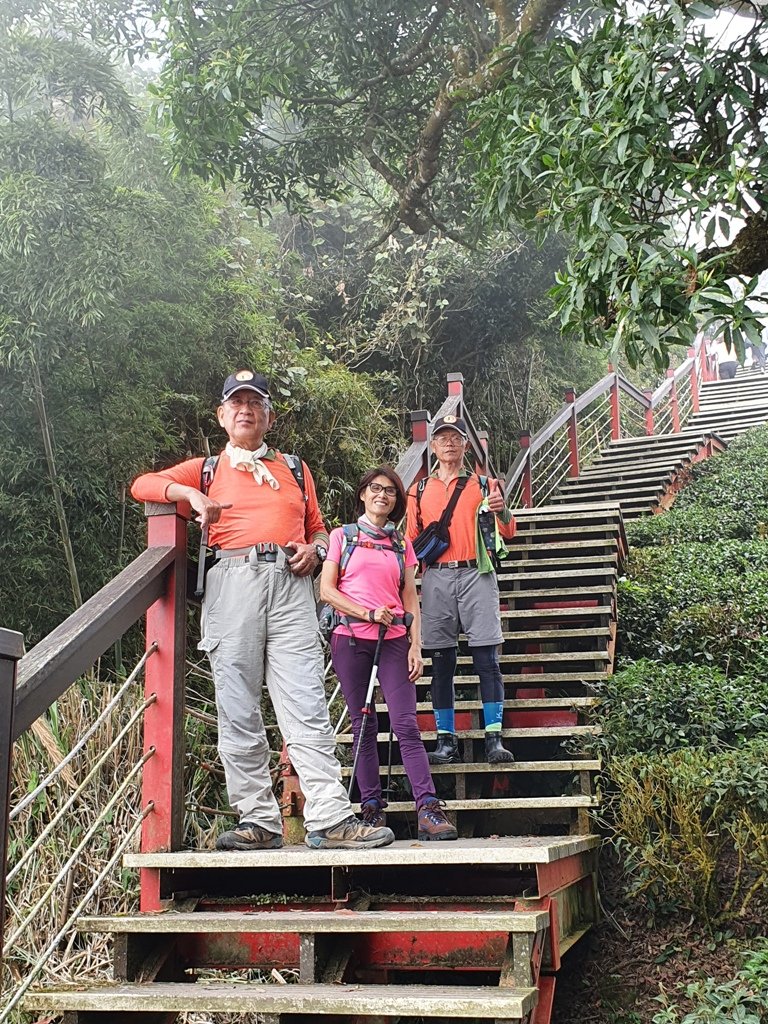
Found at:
[486, 662]
[443, 669]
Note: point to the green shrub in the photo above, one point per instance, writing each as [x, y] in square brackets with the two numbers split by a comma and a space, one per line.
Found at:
[685, 821]
[725, 499]
[700, 602]
[653, 707]
[742, 1000]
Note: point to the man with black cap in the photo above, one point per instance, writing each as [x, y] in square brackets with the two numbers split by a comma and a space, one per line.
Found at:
[459, 591]
[259, 624]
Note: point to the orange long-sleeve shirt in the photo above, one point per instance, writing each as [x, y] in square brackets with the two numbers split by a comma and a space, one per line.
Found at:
[259, 515]
[463, 524]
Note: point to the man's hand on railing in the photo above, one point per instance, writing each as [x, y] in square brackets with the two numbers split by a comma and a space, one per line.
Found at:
[209, 511]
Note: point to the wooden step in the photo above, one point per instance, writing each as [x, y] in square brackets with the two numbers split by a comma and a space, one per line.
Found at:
[547, 530]
[501, 803]
[524, 704]
[588, 509]
[520, 566]
[526, 681]
[560, 546]
[506, 850]
[560, 613]
[538, 658]
[483, 768]
[553, 574]
[333, 921]
[477, 1003]
[552, 593]
[557, 634]
[549, 732]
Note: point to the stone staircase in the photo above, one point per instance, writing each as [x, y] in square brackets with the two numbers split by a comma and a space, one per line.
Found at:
[471, 929]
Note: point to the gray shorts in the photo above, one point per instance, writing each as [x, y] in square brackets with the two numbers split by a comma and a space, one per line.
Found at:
[457, 601]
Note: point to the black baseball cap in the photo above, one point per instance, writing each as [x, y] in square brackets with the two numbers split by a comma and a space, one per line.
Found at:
[244, 380]
[450, 423]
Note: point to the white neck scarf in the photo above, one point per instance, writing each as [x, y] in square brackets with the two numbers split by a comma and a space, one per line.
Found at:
[250, 462]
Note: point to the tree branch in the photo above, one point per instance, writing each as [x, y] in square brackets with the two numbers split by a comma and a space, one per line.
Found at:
[747, 254]
[537, 17]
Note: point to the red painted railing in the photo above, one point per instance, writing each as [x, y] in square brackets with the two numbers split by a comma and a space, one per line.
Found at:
[611, 409]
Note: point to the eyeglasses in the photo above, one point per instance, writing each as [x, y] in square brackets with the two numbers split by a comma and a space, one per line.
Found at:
[448, 437]
[248, 403]
[391, 492]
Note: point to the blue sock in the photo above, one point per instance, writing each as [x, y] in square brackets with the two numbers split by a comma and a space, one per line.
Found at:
[493, 714]
[445, 720]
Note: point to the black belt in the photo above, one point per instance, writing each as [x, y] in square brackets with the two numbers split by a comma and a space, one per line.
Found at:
[258, 552]
[467, 563]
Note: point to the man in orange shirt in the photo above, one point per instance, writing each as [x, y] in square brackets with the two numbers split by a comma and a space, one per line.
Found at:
[259, 624]
[456, 594]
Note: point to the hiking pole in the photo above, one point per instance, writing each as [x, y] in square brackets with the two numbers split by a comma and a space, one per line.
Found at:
[366, 709]
[200, 585]
[407, 620]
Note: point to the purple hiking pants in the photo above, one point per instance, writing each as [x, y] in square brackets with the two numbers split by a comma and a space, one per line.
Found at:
[353, 667]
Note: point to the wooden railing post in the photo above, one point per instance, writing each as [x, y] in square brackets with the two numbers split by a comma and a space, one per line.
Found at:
[482, 467]
[11, 649]
[527, 489]
[674, 404]
[163, 777]
[456, 387]
[694, 381]
[419, 434]
[615, 408]
[573, 437]
[649, 425]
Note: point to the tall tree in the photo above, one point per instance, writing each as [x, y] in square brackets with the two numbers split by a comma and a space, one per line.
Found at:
[291, 98]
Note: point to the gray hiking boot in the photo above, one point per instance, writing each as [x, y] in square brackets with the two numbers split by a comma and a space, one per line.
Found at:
[350, 834]
[248, 836]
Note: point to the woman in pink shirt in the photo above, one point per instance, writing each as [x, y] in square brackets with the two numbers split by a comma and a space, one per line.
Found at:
[376, 587]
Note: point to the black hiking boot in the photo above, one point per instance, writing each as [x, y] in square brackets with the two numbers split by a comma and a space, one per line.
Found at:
[372, 813]
[446, 751]
[495, 751]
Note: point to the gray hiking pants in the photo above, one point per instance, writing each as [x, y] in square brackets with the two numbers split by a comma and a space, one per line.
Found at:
[259, 626]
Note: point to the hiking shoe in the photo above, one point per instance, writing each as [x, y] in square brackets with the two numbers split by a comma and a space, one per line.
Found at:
[248, 836]
[433, 824]
[372, 813]
[446, 751]
[350, 834]
[495, 751]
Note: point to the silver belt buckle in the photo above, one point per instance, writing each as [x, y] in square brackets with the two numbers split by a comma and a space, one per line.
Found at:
[454, 564]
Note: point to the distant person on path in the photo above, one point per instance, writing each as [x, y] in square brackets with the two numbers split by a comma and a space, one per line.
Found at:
[727, 363]
[758, 354]
[369, 577]
[259, 623]
[459, 591]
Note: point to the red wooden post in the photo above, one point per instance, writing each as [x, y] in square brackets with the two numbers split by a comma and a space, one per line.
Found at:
[527, 495]
[482, 467]
[573, 438]
[615, 409]
[456, 386]
[163, 777]
[694, 381]
[419, 434]
[674, 404]
[648, 412]
[11, 650]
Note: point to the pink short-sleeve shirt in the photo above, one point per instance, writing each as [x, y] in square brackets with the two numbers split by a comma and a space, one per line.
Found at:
[372, 578]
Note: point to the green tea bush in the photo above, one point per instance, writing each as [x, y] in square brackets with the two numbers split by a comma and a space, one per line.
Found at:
[654, 707]
[699, 602]
[726, 498]
[685, 821]
[743, 999]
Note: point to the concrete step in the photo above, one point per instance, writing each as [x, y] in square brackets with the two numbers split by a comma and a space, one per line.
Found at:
[477, 1003]
[172, 922]
[504, 850]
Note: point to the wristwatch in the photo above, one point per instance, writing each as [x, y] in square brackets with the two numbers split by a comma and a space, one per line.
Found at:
[322, 552]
